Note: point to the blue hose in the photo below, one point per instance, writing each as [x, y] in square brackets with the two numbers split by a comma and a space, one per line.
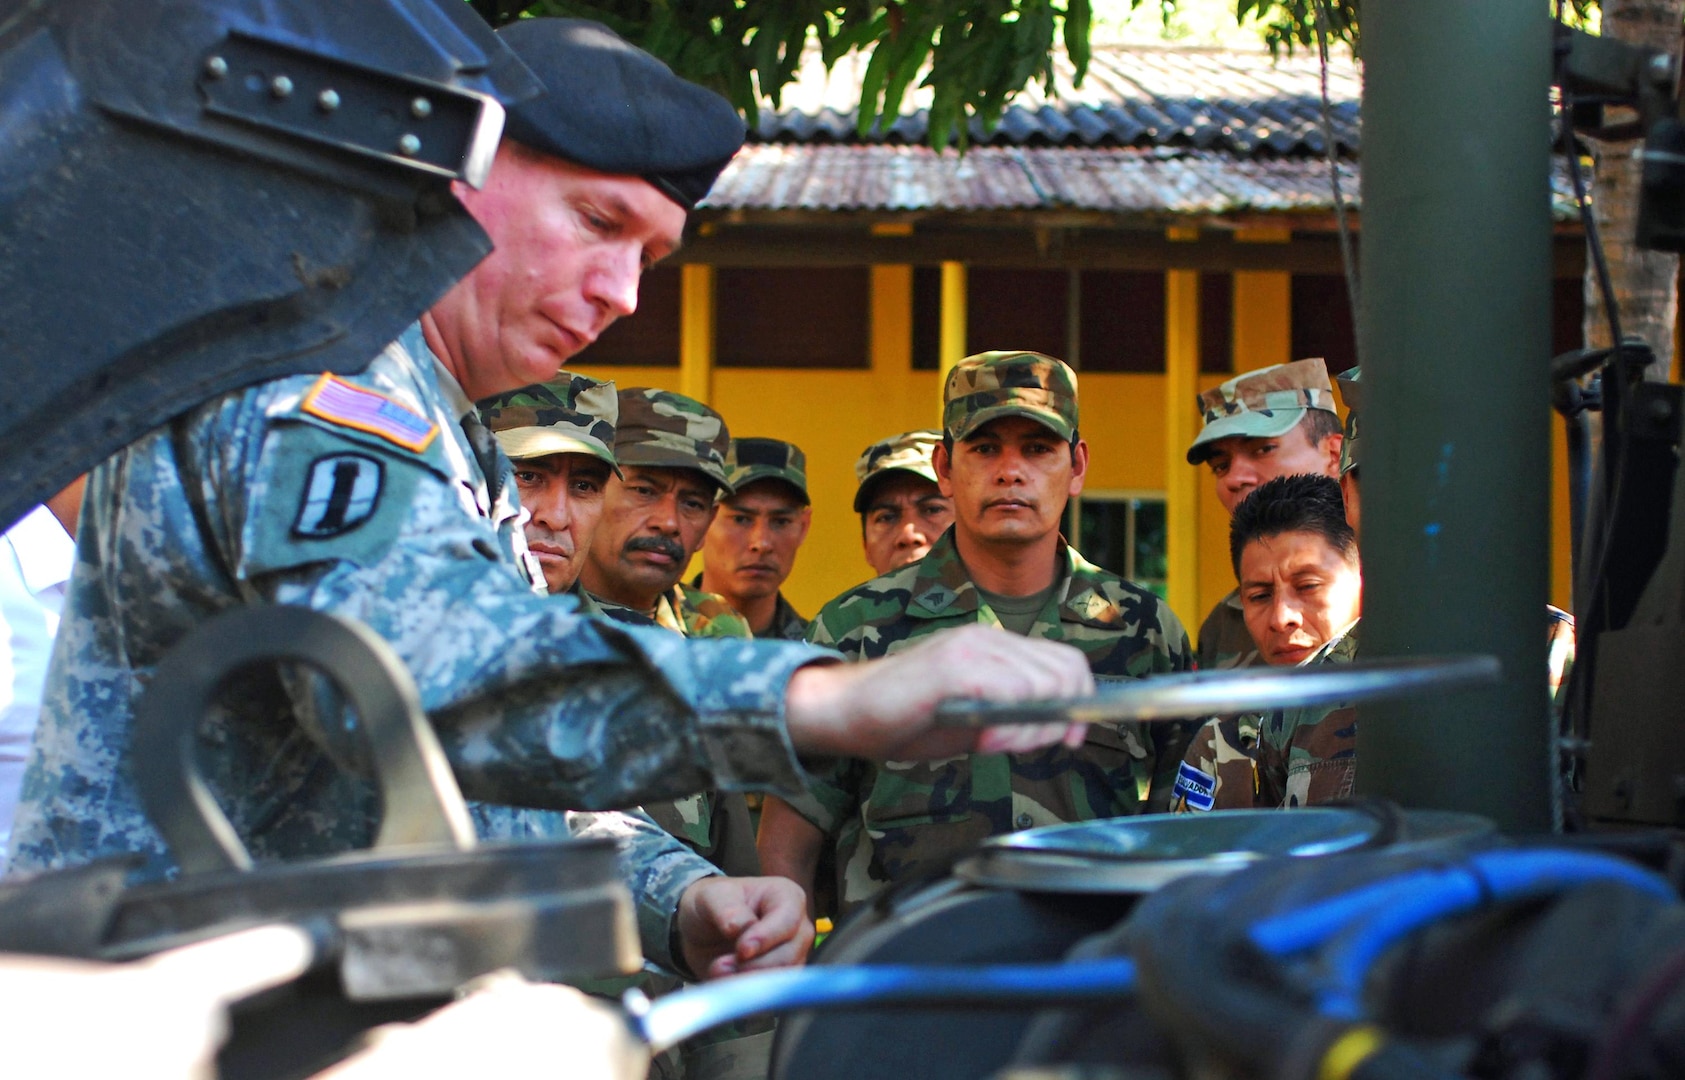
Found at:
[670, 1020]
[1366, 922]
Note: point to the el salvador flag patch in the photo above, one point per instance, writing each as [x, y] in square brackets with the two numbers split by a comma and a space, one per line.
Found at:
[1198, 789]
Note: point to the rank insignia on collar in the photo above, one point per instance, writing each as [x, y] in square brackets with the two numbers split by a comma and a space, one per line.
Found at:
[341, 493]
[349, 405]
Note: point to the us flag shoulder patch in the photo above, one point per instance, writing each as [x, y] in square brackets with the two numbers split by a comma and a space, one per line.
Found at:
[348, 405]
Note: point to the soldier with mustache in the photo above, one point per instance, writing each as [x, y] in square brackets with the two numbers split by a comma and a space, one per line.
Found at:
[672, 454]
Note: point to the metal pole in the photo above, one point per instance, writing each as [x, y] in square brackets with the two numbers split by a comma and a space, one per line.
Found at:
[1455, 344]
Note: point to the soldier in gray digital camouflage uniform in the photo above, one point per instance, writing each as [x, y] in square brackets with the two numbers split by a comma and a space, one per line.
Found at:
[382, 497]
[1276, 421]
[1011, 459]
[758, 527]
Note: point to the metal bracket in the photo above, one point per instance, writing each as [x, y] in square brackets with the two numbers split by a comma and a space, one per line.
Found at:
[400, 120]
[421, 804]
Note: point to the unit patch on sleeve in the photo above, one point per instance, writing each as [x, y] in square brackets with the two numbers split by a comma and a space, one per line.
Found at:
[349, 405]
[341, 493]
[1199, 789]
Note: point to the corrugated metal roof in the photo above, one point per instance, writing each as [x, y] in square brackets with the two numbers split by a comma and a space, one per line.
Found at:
[1120, 180]
[1204, 99]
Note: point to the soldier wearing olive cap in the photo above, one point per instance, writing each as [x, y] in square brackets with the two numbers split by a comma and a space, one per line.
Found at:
[672, 454]
[1276, 421]
[902, 509]
[758, 527]
[1011, 458]
[560, 437]
[381, 496]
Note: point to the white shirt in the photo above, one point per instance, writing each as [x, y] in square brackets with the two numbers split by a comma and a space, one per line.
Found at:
[36, 556]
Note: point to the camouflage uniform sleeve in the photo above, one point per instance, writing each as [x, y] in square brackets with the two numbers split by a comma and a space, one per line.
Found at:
[1218, 771]
[707, 615]
[1312, 755]
[828, 629]
[1223, 638]
[1178, 653]
[657, 868]
[535, 705]
[832, 795]
[1308, 756]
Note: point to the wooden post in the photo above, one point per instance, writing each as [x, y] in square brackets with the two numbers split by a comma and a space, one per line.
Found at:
[953, 325]
[892, 319]
[1263, 308]
[696, 332]
[1181, 481]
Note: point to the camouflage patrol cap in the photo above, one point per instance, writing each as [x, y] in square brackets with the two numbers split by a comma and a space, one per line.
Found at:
[667, 430]
[1262, 404]
[570, 415]
[907, 452]
[1351, 392]
[750, 460]
[989, 385]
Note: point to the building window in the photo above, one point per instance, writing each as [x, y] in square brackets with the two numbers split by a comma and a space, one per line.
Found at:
[1017, 310]
[1004, 309]
[1322, 321]
[792, 317]
[1124, 532]
[1118, 315]
[650, 336]
[1216, 323]
[1122, 321]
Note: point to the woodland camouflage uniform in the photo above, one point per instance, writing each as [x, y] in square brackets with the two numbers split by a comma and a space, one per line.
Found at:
[1284, 758]
[900, 820]
[753, 460]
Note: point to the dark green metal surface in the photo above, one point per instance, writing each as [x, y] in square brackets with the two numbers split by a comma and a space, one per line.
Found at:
[1455, 340]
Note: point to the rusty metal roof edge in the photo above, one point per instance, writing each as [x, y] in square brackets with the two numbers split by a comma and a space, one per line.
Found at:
[840, 178]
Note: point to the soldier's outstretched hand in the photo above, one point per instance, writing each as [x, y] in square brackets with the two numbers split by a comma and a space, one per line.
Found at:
[729, 925]
[884, 709]
[162, 1017]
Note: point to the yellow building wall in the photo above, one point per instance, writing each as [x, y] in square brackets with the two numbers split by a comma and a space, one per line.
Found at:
[833, 414]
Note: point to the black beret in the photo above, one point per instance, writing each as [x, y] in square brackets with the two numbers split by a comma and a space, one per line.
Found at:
[612, 107]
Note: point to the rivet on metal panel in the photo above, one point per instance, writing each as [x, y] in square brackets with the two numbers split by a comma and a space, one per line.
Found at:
[409, 145]
[327, 100]
[281, 86]
[216, 67]
[421, 108]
